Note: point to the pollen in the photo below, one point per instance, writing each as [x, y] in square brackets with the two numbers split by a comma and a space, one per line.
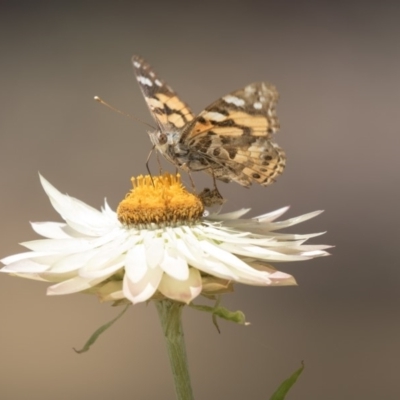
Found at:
[161, 200]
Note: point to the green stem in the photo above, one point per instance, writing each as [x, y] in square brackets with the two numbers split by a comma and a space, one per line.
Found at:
[170, 313]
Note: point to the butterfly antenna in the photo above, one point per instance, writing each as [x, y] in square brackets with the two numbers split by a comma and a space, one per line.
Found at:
[101, 101]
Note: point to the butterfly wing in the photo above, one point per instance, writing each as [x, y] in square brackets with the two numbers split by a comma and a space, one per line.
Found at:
[170, 113]
[234, 135]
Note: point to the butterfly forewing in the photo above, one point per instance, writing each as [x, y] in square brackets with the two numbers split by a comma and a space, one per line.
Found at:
[249, 111]
[167, 109]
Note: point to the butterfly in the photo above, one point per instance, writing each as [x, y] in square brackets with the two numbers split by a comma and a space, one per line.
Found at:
[232, 139]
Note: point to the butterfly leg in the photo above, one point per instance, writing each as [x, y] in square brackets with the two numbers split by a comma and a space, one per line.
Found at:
[147, 163]
[216, 191]
[159, 162]
[192, 181]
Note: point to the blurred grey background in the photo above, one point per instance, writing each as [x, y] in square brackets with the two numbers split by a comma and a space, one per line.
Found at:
[336, 65]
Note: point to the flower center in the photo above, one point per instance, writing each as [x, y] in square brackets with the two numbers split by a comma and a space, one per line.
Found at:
[160, 200]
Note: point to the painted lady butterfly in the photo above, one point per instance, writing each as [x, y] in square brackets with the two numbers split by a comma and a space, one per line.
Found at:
[231, 139]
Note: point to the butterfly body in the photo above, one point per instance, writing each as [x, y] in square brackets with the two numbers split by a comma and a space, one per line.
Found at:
[231, 139]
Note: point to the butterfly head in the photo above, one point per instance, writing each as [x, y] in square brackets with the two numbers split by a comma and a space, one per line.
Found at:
[159, 139]
[162, 140]
[167, 143]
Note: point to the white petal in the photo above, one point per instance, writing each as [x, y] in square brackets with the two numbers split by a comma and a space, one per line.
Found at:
[88, 228]
[51, 230]
[138, 292]
[108, 254]
[271, 216]
[76, 212]
[25, 266]
[262, 253]
[184, 291]
[154, 247]
[65, 203]
[293, 236]
[23, 256]
[73, 285]
[110, 291]
[244, 272]
[295, 220]
[59, 245]
[272, 280]
[203, 262]
[281, 279]
[35, 277]
[227, 257]
[135, 264]
[109, 212]
[277, 278]
[73, 262]
[107, 269]
[243, 238]
[220, 233]
[72, 245]
[234, 215]
[315, 253]
[175, 265]
[260, 226]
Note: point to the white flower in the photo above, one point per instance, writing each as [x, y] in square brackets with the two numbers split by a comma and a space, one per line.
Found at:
[93, 251]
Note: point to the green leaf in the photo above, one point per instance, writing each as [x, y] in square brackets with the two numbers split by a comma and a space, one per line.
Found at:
[99, 331]
[286, 385]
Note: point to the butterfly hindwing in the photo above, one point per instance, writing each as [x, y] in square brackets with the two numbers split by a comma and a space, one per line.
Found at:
[235, 132]
[244, 159]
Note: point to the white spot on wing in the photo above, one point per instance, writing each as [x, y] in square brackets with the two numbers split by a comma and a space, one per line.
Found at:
[136, 64]
[158, 83]
[145, 81]
[234, 100]
[214, 116]
[257, 105]
[249, 90]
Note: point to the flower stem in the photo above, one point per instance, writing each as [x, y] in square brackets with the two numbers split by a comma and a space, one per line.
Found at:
[170, 313]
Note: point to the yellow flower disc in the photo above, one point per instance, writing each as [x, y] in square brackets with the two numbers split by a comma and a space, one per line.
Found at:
[159, 200]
